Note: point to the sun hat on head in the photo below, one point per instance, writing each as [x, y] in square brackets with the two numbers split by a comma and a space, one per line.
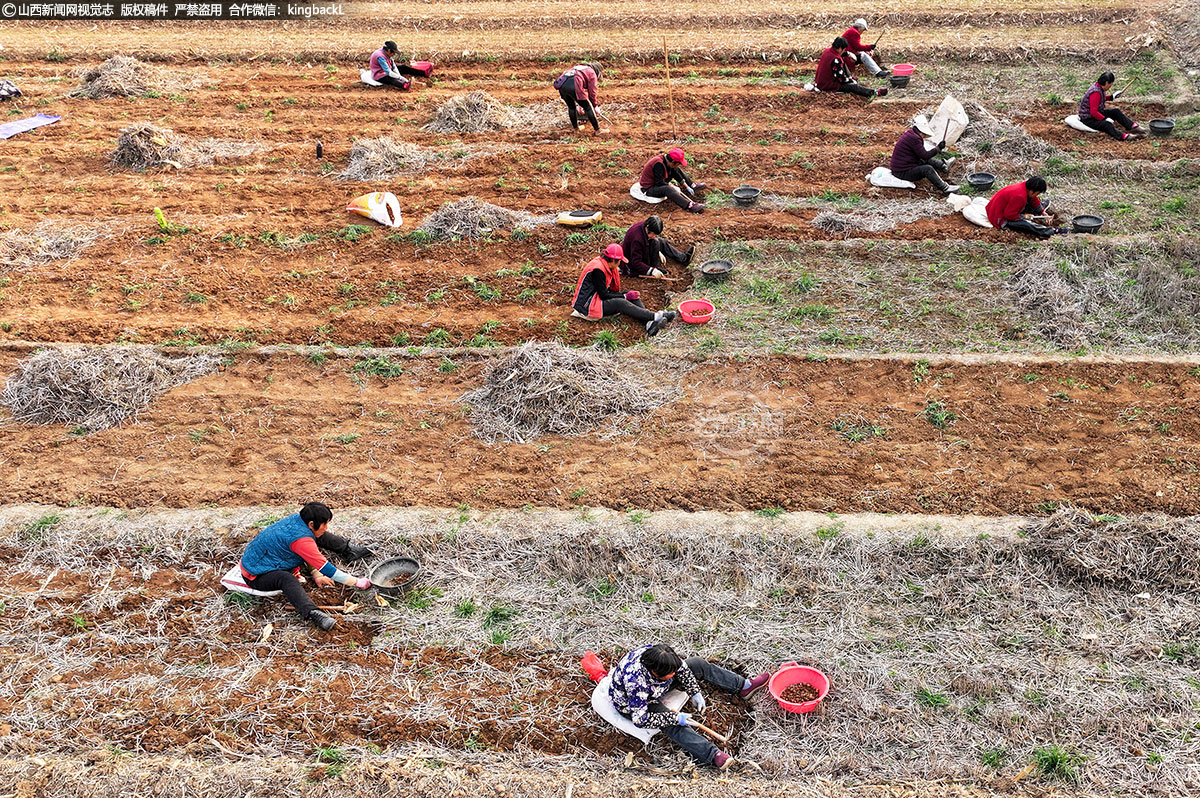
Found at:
[614, 252]
[676, 154]
[921, 123]
[860, 23]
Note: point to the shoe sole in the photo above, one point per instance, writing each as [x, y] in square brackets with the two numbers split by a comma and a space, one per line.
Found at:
[755, 690]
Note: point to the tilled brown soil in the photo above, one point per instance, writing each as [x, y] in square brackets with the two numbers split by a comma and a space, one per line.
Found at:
[228, 279]
[1113, 437]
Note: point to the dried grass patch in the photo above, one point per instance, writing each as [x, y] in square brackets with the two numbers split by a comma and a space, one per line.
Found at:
[95, 388]
[144, 146]
[49, 241]
[472, 218]
[480, 112]
[124, 76]
[549, 389]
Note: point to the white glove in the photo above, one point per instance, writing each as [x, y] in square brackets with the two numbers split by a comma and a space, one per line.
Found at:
[698, 702]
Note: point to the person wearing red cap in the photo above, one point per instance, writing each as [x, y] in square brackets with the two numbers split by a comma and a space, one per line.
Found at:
[658, 173]
[834, 75]
[598, 293]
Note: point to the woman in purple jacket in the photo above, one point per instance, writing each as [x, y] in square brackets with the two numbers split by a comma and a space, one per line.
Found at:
[912, 162]
[385, 69]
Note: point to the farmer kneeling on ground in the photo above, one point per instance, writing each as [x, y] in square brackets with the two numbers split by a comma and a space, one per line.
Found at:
[598, 293]
[860, 52]
[272, 560]
[1094, 113]
[912, 162]
[648, 251]
[385, 69]
[645, 675]
[833, 75]
[577, 86]
[1005, 208]
[658, 173]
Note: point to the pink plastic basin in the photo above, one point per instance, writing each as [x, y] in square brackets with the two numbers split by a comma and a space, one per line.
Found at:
[696, 311]
[902, 69]
[791, 673]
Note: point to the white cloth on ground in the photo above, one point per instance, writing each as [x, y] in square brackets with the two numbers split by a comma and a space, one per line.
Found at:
[882, 176]
[976, 212]
[365, 74]
[1073, 121]
[237, 583]
[602, 704]
[635, 191]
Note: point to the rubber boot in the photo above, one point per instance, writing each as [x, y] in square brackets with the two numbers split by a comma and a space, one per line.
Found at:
[321, 620]
[357, 551]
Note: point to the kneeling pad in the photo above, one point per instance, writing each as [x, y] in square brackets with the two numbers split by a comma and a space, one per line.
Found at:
[882, 176]
[635, 191]
[1073, 122]
[237, 583]
[365, 75]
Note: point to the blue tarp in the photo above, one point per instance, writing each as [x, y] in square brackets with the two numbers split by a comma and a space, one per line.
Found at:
[10, 129]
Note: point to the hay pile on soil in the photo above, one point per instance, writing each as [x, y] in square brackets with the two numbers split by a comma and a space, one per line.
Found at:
[95, 387]
[1143, 551]
[994, 140]
[480, 112]
[471, 218]
[383, 158]
[1123, 295]
[550, 389]
[123, 76]
[48, 241]
[145, 146]
[879, 216]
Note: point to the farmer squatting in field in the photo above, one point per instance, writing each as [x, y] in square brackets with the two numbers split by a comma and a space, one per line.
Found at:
[387, 71]
[913, 162]
[661, 170]
[646, 674]
[1005, 208]
[648, 251]
[1095, 113]
[598, 294]
[273, 558]
[834, 75]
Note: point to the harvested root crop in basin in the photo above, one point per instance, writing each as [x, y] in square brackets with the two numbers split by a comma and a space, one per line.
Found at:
[95, 388]
[550, 389]
[799, 693]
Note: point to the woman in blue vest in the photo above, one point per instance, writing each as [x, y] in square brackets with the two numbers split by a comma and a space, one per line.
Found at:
[272, 560]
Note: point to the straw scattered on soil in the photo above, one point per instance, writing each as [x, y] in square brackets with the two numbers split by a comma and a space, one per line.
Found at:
[123, 76]
[95, 388]
[471, 218]
[385, 157]
[49, 241]
[145, 146]
[1146, 551]
[992, 140]
[549, 389]
[879, 215]
[1136, 294]
[480, 112]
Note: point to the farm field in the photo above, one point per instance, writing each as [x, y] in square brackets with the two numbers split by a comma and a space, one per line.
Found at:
[954, 468]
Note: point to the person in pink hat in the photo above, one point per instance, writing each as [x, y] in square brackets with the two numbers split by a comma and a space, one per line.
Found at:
[661, 170]
[598, 293]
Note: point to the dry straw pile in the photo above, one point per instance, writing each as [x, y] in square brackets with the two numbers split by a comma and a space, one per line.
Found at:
[471, 218]
[480, 112]
[385, 157]
[95, 387]
[550, 389]
[48, 241]
[1146, 551]
[994, 140]
[144, 146]
[123, 76]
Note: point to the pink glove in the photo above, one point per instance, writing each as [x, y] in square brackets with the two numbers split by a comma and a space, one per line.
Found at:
[363, 584]
[632, 295]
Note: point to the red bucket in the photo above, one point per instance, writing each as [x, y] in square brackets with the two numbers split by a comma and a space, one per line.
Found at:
[696, 311]
[791, 673]
[902, 69]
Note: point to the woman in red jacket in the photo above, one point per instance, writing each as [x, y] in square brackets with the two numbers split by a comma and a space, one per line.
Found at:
[1004, 209]
[834, 75]
[1094, 112]
[598, 293]
[577, 87]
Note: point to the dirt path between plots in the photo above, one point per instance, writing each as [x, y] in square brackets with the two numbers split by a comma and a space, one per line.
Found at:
[1114, 437]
